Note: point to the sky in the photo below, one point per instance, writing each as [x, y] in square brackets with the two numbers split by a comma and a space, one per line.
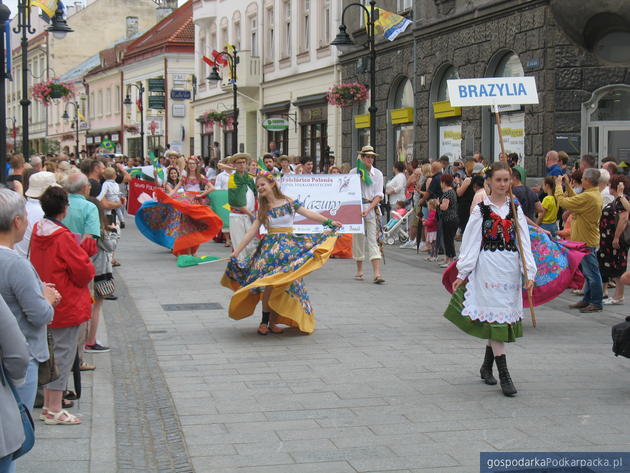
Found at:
[12, 4]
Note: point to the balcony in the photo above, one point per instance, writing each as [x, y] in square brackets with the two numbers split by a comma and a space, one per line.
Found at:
[249, 72]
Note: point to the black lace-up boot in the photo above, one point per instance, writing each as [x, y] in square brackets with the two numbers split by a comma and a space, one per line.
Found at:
[504, 376]
[486, 368]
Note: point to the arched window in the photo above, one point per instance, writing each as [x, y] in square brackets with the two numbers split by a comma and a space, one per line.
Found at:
[504, 64]
[236, 30]
[445, 124]
[401, 116]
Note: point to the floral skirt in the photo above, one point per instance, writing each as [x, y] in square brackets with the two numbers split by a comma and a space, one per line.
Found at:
[280, 261]
[178, 222]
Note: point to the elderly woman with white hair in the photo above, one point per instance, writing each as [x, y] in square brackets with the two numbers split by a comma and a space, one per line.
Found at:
[30, 300]
[604, 179]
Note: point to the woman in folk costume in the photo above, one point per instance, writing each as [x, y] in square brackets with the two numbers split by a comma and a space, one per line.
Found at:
[487, 297]
[274, 272]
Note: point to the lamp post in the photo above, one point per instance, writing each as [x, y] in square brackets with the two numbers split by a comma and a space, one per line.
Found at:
[214, 76]
[59, 28]
[5, 13]
[343, 41]
[66, 119]
[127, 102]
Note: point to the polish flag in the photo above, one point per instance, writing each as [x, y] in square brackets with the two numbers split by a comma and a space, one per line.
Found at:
[219, 59]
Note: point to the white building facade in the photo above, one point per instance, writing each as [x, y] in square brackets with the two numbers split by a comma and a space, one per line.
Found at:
[285, 70]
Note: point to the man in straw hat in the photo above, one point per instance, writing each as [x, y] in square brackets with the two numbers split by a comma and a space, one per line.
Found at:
[371, 195]
[242, 200]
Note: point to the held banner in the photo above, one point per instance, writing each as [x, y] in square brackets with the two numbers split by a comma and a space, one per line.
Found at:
[336, 196]
[139, 192]
[492, 91]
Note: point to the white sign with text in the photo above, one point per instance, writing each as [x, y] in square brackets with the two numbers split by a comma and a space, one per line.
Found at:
[492, 91]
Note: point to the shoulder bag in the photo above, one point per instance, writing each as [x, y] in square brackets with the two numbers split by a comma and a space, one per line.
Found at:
[27, 421]
[48, 371]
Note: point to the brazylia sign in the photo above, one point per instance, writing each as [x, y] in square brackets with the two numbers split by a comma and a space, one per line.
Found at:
[492, 91]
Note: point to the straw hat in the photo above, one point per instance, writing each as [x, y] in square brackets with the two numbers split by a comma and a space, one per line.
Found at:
[368, 151]
[232, 159]
[39, 182]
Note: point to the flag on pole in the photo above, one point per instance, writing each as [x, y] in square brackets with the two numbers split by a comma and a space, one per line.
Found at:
[185, 261]
[159, 172]
[219, 59]
[108, 145]
[208, 61]
[229, 48]
[81, 116]
[363, 172]
[390, 24]
[139, 104]
[47, 6]
[261, 165]
[220, 205]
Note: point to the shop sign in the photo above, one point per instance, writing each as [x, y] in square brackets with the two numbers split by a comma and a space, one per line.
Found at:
[401, 115]
[97, 139]
[89, 140]
[157, 102]
[451, 141]
[179, 94]
[492, 91]
[444, 109]
[275, 124]
[156, 85]
[513, 130]
[362, 121]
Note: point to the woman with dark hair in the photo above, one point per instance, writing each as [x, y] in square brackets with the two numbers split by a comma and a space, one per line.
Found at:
[172, 180]
[448, 217]
[274, 272]
[613, 251]
[60, 260]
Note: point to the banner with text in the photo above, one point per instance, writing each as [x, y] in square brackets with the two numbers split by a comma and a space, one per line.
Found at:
[492, 91]
[139, 192]
[335, 196]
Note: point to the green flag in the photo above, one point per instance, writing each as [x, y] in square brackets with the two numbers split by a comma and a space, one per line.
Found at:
[184, 261]
[363, 172]
[108, 145]
[159, 171]
[220, 206]
[261, 165]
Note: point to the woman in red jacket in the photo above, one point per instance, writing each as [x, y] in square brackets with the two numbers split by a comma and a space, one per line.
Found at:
[59, 259]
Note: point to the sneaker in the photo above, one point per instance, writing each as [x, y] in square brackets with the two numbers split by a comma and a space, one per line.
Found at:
[409, 245]
[445, 265]
[96, 348]
[613, 301]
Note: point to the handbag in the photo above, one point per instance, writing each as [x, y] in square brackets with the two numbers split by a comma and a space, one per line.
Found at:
[27, 421]
[48, 370]
[104, 287]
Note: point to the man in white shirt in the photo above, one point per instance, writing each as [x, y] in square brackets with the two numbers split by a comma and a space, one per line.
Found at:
[395, 188]
[38, 183]
[371, 196]
[221, 182]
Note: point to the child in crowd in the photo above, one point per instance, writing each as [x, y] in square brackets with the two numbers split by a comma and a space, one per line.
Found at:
[548, 218]
[396, 215]
[431, 227]
[111, 191]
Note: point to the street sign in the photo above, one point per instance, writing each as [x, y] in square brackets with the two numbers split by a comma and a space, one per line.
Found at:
[275, 124]
[156, 85]
[178, 94]
[156, 102]
[492, 91]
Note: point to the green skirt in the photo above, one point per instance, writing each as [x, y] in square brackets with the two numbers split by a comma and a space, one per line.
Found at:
[485, 330]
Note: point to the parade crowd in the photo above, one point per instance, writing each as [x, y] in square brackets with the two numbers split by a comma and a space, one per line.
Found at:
[61, 220]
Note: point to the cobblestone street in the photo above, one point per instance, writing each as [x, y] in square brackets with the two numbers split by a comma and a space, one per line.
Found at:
[384, 384]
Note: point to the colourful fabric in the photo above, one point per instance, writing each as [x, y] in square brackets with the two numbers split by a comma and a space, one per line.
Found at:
[485, 330]
[178, 222]
[219, 204]
[557, 264]
[343, 247]
[550, 204]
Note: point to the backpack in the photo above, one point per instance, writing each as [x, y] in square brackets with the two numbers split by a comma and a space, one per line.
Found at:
[621, 338]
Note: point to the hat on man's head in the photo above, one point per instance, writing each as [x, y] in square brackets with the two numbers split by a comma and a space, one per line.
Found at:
[39, 182]
[368, 151]
[232, 159]
[477, 168]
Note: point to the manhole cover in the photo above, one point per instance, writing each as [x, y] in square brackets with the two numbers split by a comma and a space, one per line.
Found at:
[200, 306]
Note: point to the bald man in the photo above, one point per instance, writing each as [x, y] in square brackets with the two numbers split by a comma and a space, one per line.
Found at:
[553, 164]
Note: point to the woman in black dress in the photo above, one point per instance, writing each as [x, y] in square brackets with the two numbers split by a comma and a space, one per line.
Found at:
[448, 218]
[613, 252]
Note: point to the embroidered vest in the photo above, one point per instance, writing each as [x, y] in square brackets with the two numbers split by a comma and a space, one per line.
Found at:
[497, 233]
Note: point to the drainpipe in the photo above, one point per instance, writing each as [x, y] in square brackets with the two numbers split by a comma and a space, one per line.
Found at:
[166, 140]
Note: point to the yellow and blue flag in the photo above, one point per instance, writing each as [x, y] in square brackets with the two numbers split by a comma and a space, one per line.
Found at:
[47, 6]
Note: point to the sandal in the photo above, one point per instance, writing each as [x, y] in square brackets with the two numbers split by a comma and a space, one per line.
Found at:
[56, 419]
[378, 280]
[275, 329]
[43, 414]
[359, 277]
[263, 329]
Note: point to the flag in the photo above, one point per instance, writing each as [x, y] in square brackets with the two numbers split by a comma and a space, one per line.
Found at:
[159, 171]
[81, 116]
[363, 172]
[108, 145]
[47, 6]
[229, 48]
[390, 24]
[184, 261]
[142, 172]
[220, 206]
[139, 104]
[219, 58]
[261, 165]
[208, 61]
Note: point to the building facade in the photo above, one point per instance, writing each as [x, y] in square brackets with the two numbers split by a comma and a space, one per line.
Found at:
[285, 71]
[162, 62]
[584, 103]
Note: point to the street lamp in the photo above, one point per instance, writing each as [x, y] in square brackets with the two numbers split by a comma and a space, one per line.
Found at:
[66, 119]
[343, 42]
[214, 77]
[5, 13]
[59, 28]
[127, 102]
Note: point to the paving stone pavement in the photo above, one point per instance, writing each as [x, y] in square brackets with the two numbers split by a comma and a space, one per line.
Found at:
[385, 383]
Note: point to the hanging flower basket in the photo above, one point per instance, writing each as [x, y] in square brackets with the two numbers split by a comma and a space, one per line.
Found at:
[211, 117]
[346, 95]
[45, 92]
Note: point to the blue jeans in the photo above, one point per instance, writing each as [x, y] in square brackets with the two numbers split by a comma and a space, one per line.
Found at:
[27, 393]
[593, 291]
[5, 463]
